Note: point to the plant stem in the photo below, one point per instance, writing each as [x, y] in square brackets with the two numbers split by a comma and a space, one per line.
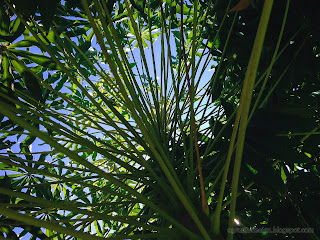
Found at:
[246, 100]
[204, 203]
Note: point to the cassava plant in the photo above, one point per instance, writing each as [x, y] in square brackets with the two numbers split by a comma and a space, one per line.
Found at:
[113, 125]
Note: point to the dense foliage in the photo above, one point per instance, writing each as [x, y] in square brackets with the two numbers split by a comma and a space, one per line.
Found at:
[108, 108]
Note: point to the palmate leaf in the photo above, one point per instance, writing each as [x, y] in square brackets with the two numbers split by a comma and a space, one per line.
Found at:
[107, 143]
[12, 68]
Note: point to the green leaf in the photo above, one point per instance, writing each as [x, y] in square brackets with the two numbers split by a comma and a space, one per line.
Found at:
[5, 182]
[33, 85]
[4, 21]
[27, 8]
[15, 24]
[18, 67]
[228, 108]
[5, 67]
[47, 10]
[37, 58]
[216, 89]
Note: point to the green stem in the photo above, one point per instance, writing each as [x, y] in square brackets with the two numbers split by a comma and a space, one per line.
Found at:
[205, 208]
[247, 95]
